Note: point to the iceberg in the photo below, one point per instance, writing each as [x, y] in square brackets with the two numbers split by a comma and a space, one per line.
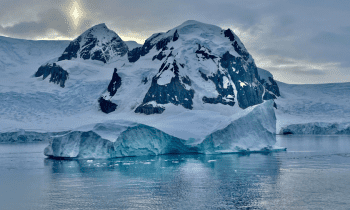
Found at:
[252, 130]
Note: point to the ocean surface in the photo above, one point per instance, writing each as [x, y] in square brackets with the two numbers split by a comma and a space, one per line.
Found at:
[314, 173]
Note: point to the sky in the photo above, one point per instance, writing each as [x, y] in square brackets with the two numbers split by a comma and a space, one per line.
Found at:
[298, 41]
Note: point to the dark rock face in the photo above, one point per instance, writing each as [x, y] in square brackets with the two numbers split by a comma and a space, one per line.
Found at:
[71, 51]
[272, 90]
[204, 76]
[176, 36]
[274, 87]
[107, 106]
[144, 80]
[58, 74]
[136, 53]
[162, 43]
[271, 87]
[115, 83]
[204, 53]
[235, 43]
[249, 89]
[160, 56]
[174, 92]
[149, 109]
[268, 96]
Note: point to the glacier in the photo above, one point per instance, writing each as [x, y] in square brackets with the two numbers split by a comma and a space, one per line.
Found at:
[253, 130]
[316, 128]
[321, 109]
[24, 136]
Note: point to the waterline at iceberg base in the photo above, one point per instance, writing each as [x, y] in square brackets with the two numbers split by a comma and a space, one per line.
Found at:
[253, 130]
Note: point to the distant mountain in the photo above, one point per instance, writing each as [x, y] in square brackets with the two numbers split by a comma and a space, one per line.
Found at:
[132, 44]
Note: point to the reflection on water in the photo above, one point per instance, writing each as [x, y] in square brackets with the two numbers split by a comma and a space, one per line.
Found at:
[313, 173]
[169, 181]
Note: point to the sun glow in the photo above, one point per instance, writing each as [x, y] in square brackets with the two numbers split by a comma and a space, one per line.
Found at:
[76, 13]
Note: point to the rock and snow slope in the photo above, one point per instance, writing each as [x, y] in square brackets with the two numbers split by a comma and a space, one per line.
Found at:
[192, 65]
[185, 85]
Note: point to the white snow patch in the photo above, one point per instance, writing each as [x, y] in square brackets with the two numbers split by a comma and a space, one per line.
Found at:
[242, 84]
[226, 82]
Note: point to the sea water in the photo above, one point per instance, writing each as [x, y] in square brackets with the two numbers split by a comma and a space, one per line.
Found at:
[314, 173]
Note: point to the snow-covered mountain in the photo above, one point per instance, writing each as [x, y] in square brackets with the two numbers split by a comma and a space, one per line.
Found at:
[194, 83]
[190, 65]
[195, 63]
[97, 43]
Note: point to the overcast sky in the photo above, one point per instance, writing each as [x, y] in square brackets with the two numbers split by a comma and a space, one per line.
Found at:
[299, 41]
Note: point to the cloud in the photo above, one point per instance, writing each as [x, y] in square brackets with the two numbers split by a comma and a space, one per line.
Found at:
[51, 19]
[311, 72]
[300, 71]
[48, 18]
[331, 39]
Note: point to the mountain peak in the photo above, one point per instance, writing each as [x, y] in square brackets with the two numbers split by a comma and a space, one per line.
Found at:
[98, 28]
[191, 22]
[193, 25]
[100, 31]
[99, 25]
[194, 22]
[96, 43]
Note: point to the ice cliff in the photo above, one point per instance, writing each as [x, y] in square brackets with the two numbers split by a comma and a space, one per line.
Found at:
[316, 128]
